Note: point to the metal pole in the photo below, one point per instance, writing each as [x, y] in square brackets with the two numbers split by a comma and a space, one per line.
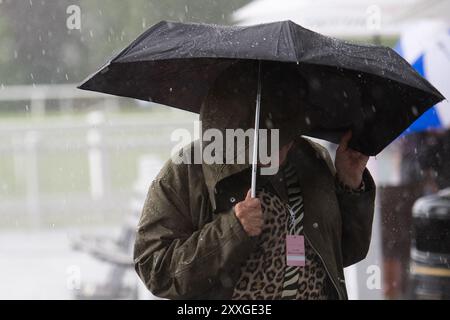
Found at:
[256, 134]
[96, 156]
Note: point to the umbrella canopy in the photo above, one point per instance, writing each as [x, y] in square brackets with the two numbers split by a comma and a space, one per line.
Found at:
[426, 45]
[368, 89]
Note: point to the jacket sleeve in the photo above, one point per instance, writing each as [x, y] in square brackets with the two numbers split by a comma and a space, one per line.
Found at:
[357, 210]
[175, 260]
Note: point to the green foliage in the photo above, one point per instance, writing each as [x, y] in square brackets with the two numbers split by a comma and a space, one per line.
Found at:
[37, 47]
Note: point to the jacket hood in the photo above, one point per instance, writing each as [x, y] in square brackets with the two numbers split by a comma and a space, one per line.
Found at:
[231, 104]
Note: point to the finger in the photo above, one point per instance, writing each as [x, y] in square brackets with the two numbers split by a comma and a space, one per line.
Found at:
[254, 217]
[364, 157]
[259, 224]
[257, 232]
[254, 231]
[256, 220]
[343, 145]
[239, 206]
[358, 155]
[254, 203]
[354, 154]
[249, 194]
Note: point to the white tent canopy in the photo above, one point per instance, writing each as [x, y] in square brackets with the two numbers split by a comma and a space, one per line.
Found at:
[427, 43]
[345, 18]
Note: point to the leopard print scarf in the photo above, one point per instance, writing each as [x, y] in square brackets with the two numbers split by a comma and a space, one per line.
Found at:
[265, 274]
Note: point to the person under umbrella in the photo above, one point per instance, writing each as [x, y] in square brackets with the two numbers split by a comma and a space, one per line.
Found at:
[224, 230]
[186, 249]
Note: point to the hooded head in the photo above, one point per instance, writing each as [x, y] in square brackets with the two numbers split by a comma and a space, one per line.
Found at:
[231, 101]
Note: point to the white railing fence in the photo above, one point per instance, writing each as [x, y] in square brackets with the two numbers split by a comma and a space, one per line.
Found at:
[57, 170]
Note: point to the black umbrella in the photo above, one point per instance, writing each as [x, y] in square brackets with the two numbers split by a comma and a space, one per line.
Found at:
[368, 89]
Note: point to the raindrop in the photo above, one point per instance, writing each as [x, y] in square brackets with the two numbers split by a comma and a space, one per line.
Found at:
[308, 121]
[414, 111]
[269, 124]
[170, 89]
[67, 76]
[344, 93]
[374, 109]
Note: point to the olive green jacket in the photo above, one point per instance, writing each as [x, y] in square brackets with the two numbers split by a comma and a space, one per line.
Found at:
[190, 245]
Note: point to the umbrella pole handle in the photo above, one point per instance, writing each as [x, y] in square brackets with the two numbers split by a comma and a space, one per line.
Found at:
[256, 134]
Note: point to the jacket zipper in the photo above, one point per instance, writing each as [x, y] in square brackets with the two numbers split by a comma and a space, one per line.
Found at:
[326, 269]
[291, 213]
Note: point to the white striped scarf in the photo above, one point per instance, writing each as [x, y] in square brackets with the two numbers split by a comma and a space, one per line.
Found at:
[295, 200]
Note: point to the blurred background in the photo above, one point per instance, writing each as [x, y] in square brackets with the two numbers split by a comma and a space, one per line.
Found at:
[75, 166]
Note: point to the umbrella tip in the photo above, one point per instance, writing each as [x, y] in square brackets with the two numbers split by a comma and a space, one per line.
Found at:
[82, 86]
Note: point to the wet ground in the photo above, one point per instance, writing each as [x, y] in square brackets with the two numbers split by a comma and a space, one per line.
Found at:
[42, 265]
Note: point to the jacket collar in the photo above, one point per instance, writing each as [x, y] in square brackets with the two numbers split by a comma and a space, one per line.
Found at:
[214, 173]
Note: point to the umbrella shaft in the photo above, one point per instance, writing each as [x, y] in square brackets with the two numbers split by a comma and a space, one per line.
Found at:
[256, 134]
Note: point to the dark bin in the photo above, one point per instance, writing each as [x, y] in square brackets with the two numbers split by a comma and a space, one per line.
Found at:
[430, 252]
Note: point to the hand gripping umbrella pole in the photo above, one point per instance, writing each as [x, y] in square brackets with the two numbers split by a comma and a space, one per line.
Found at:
[256, 134]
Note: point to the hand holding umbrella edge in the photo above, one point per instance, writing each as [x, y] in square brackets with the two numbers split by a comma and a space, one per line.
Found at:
[349, 163]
